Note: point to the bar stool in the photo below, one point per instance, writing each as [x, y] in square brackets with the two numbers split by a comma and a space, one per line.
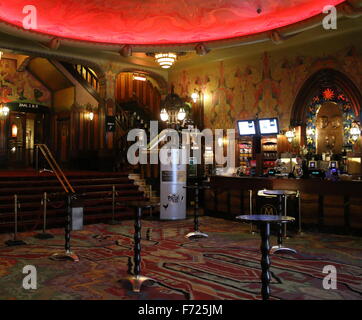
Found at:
[282, 211]
[197, 233]
[137, 279]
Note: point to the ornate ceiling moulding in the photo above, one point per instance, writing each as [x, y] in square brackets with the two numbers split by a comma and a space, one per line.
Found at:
[350, 8]
[351, 11]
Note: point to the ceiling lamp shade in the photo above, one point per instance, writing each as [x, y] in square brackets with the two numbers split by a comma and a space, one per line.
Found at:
[181, 115]
[165, 60]
[164, 115]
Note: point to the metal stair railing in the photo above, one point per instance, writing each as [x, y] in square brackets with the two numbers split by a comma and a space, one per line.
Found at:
[54, 166]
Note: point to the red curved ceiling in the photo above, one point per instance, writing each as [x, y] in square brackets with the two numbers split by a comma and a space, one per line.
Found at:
[160, 21]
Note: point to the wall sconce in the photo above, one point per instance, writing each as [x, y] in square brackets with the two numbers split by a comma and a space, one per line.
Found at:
[1, 54]
[222, 141]
[14, 131]
[290, 134]
[4, 111]
[355, 131]
[195, 96]
[139, 77]
[90, 116]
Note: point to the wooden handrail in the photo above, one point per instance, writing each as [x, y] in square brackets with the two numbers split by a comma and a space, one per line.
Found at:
[55, 167]
[59, 169]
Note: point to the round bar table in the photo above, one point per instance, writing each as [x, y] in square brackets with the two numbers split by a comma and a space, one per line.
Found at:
[137, 279]
[264, 222]
[197, 233]
[282, 211]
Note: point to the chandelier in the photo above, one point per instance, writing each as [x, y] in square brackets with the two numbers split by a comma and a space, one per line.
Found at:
[165, 60]
[173, 109]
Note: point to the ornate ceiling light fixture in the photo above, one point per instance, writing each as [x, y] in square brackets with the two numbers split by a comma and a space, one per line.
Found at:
[165, 60]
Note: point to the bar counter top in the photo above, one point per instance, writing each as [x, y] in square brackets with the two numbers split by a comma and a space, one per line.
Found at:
[311, 185]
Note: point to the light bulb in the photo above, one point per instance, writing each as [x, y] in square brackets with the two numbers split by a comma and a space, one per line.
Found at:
[194, 96]
[181, 115]
[164, 115]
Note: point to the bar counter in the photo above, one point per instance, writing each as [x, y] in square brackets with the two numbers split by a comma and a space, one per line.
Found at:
[327, 205]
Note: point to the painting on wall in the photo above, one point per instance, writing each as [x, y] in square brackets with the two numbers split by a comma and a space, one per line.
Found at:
[21, 86]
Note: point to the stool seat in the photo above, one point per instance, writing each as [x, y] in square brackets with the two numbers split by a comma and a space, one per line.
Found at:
[265, 218]
[280, 192]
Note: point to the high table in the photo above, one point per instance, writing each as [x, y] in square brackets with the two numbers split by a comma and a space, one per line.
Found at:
[264, 222]
[197, 233]
[137, 279]
[282, 211]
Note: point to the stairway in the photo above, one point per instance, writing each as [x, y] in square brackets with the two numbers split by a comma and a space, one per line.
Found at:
[93, 189]
[144, 187]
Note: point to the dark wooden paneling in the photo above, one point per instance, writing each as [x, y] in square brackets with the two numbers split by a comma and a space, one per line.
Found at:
[323, 203]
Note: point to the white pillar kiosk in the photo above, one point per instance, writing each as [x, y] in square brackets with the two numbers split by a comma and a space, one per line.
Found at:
[173, 194]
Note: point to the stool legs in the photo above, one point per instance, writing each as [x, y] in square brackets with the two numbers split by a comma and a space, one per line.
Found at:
[196, 233]
[137, 279]
[279, 247]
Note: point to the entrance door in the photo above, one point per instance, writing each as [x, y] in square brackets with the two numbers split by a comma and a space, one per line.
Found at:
[17, 139]
[25, 129]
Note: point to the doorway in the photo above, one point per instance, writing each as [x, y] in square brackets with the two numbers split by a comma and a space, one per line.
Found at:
[25, 131]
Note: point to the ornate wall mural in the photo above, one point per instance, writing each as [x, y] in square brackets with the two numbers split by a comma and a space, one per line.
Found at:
[21, 86]
[268, 84]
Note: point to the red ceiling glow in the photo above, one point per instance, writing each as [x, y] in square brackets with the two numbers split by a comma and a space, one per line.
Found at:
[160, 21]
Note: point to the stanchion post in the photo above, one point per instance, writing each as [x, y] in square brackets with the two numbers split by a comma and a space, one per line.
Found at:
[44, 235]
[15, 241]
[113, 219]
[37, 158]
[113, 201]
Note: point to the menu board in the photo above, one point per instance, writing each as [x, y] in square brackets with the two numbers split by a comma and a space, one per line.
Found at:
[268, 126]
[246, 127]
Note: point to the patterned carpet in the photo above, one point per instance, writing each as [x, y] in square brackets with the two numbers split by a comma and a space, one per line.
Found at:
[224, 266]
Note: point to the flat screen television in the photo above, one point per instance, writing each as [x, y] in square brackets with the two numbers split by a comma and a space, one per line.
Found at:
[268, 126]
[246, 127]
